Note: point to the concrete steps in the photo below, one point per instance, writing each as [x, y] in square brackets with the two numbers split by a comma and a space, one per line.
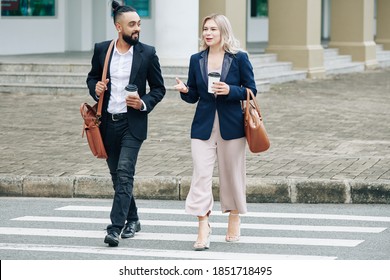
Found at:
[44, 67]
[382, 56]
[268, 70]
[58, 78]
[49, 75]
[340, 64]
[43, 78]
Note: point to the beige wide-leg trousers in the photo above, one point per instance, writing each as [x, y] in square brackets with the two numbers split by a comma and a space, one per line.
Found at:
[232, 174]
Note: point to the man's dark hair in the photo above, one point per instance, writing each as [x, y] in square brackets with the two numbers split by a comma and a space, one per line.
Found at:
[118, 10]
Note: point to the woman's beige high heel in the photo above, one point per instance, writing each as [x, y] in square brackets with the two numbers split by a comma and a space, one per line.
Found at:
[203, 245]
[234, 224]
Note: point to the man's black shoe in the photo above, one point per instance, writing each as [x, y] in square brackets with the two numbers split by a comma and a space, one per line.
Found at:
[112, 239]
[130, 229]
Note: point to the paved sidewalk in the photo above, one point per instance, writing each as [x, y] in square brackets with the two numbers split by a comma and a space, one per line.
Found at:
[330, 143]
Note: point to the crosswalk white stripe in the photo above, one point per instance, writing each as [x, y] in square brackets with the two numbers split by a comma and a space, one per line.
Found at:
[214, 225]
[64, 219]
[157, 253]
[86, 208]
[249, 214]
[181, 237]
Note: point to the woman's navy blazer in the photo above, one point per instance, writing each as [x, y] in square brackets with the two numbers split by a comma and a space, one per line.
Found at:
[237, 72]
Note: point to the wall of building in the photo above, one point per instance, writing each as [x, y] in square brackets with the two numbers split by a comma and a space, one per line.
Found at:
[33, 35]
[235, 10]
[257, 30]
[78, 24]
[257, 27]
[176, 33]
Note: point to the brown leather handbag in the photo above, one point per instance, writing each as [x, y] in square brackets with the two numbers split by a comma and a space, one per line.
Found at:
[255, 132]
[91, 116]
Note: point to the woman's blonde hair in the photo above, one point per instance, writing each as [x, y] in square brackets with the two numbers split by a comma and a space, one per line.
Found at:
[229, 43]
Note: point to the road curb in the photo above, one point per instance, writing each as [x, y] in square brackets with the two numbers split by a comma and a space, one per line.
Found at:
[176, 188]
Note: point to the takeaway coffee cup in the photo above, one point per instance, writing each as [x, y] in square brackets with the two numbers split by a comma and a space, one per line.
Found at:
[213, 77]
[131, 90]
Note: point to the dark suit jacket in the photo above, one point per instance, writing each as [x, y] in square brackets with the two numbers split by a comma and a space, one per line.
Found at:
[237, 72]
[145, 67]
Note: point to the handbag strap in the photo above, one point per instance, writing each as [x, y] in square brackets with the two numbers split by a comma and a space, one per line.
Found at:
[104, 76]
[250, 95]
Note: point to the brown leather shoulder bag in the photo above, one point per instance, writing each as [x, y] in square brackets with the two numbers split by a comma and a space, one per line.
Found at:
[91, 116]
[255, 132]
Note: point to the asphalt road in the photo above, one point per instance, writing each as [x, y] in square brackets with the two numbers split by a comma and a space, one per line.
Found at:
[73, 229]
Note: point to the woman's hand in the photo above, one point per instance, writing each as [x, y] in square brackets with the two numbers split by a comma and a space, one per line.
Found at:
[220, 88]
[180, 86]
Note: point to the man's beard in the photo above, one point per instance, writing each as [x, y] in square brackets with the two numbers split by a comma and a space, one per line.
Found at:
[128, 39]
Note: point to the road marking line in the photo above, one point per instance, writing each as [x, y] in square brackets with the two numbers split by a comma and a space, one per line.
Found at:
[181, 237]
[249, 214]
[157, 253]
[214, 225]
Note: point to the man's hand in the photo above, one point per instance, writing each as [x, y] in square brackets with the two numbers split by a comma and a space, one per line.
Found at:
[101, 87]
[134, 101]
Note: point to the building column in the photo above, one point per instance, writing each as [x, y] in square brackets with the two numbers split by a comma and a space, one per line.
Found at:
[295, 34]
[352, 30]
[383, 23]
[176, 34]
[234, 10]
[79, 16]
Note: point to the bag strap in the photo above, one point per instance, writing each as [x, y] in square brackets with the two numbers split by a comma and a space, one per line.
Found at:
[250, 95]
[104, 76]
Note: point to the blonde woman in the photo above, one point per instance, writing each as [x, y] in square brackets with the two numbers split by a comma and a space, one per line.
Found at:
[217, 129]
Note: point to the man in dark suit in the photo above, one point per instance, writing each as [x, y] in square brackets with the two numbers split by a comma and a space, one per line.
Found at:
[125, 117]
